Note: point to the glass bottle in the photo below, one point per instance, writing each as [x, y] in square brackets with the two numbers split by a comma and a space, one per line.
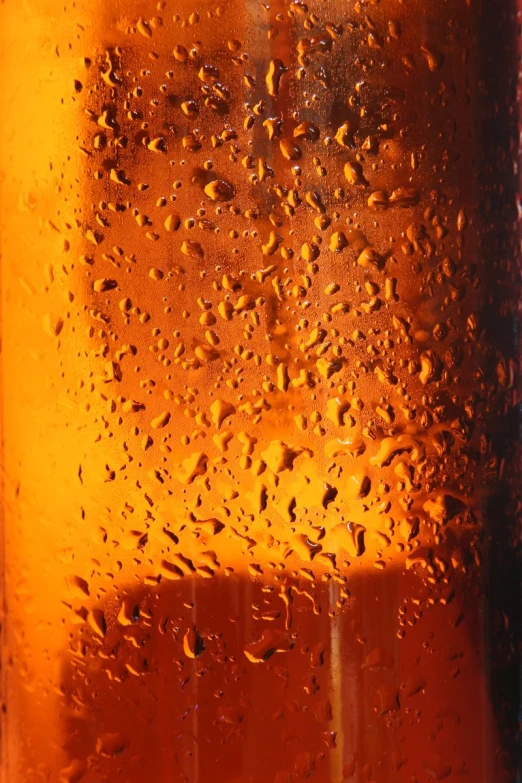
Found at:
[260, 271]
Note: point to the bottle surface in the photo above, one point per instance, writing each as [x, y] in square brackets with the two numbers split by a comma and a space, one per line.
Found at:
[260, 272]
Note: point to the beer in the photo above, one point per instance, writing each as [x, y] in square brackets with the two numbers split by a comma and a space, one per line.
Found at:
[260, 270]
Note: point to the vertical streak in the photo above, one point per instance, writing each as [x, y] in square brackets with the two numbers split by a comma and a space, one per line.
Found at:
[337, 686]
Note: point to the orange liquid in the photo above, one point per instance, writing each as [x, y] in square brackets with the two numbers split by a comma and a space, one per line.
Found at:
[348, 701]
[259, 291]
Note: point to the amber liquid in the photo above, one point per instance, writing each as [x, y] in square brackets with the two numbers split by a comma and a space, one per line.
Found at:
[349, 701]
[259, 293]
